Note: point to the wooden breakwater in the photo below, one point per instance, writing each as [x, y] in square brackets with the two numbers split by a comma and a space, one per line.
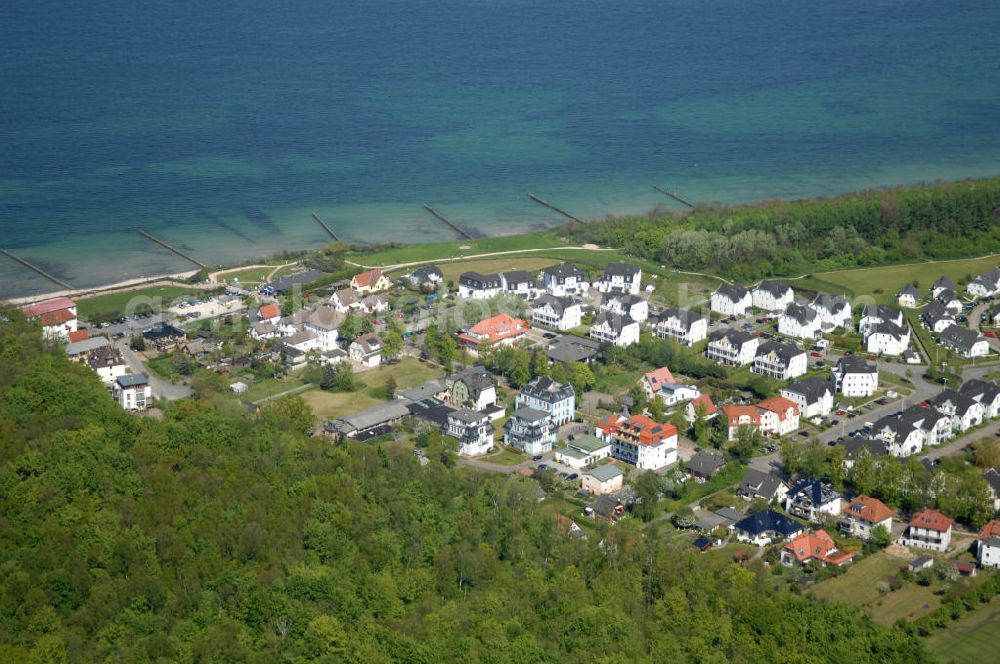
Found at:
[553, 207]
[32, 266]
[674, 196]
[451, 225]
[170, 248]
[322, 223]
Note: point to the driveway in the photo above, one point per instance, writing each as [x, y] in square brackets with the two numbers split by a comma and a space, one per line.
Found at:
[162, 389]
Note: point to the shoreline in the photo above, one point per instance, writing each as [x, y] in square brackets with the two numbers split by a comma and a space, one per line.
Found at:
[124, 285]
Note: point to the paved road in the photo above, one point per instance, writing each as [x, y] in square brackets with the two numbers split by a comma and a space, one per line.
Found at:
[162, 389]
[974, 322]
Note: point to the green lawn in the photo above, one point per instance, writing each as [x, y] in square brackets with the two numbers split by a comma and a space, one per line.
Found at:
[269, 387]
[252, 275]
[506, 456]
[438, 250]
[529, 262]
[891, 278]
[973, 638]
[113, 305]
[409, 372]
[330, 405]
[859, 587]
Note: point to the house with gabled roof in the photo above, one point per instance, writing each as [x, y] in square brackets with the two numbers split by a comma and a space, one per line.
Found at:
[547, 395]
[324, 322]
[518, 282]
[812, 499]
[908, 296]
[780, 360]
[833, 310]
[731, 300]
[428, 276]
[639, 440]
[560, 313]
[621, 278]
[615, 329]
[772, 295]
[701, 404]
[988, 545]
[818, 546]
[602, 480]
[269, 313]
[653, 380]
[681, 325]
[942, 283]
[928, 529]
[912, 430]
[625, 304]
[985, 285]
[564, 279]
[370, 281]
[863, 514]
[501, 329]
[476, 286]
[985, 393]
[758, 484]
[778, 416]
[814, 396]
[732, 347]
[965, 342]
[936, 318]
[855, 377]
[992, 478]
[800, 321]
[887, 338]
[962, 410]
[949, 300]
[703, 466]
[366, 350]
[57, 316]
[583, 450]
[765, 527]
[530, 430]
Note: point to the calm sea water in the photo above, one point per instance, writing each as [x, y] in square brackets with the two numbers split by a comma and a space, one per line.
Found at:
[220, 127]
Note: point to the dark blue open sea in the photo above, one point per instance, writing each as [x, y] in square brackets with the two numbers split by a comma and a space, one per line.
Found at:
[221, 125]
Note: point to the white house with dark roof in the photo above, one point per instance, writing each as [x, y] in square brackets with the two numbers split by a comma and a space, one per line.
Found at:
[800, 321]
[964, 412]
[426, 276]
[681, 325]
[875, 314]
[985, 285]
[766, 527]
[814, 396]
[615, 329]
[855, 377]
[909, 432]
[731, 300]
[812, 499]
[887, 338]
[936, 318]
[560, 313]
[366, 350]
[324, 323]
[518, 282]
[949, 300]
[758, 484]
[625, 304]
[908, 296]
[772, 295]
[732, 347]
[530, 430]
[545, 394]
[476, 286]
[780, 360]
[992, 477]
[132, 392]
[833, 310]
[942, 283]
[564, 279]
[621, 278]
[965, 342]
[473, 430]
[345, 300]
[986, 393]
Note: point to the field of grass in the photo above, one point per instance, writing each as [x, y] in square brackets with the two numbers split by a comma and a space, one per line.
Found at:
[330, 405]
[529, 262]
[408, 373]
[973, 638]
[506, 456]
[251, 275]
[859, 586]
[891, 278]
[113, 305]
[269, 387]
[438, 250]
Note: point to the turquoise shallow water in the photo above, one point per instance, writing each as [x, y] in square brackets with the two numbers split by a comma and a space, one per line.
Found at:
[221, 127]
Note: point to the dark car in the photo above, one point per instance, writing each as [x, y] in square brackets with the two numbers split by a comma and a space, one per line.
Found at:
[804, 434]
[537, 457]
[542, 466]
[549, 335]
[834, 422]
[573, 476]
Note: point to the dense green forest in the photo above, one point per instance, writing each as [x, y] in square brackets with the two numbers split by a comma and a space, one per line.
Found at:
[780, 238]
[214, 535]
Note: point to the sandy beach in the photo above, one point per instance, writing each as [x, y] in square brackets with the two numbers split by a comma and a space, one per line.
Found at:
[174, 279]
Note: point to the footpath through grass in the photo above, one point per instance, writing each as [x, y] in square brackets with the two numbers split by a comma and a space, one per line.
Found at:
[973, 638]
[439, 250]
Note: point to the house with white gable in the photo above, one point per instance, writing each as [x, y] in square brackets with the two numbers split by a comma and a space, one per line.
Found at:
[681, 325]
[800, 321]
[813, 396]
[366, 350]
[427, 277]
[473, 430]
[887, 338]
[936, 318]
[132, 392]
[732, 347]
[324, 322]
[943, 283]
[518, 282]
[621, 278]
[812, 499]
[909, 432]
[985, 285]
[269, 313]
[780, 360]
[560, 313]
[530, 430]
[949, 300]
[772, 295]
[964, 412]
[908, 296]
[564, 279]
[875, 314]
[834, 311]
[731, 300]
[545, 394]
[476, 286]
[929, 529]
[375, 303]
[615, 329]
[988, 545]
[107, 362]
[965, 342]
[345, 300]
[985, 393]
[854, 377]
[56, 316]
[624, 304]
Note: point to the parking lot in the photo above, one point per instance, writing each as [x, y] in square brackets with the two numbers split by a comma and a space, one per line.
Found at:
[204, 308]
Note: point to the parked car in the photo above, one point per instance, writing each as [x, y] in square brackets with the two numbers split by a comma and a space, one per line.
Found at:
[990, 333]
[815, 354]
